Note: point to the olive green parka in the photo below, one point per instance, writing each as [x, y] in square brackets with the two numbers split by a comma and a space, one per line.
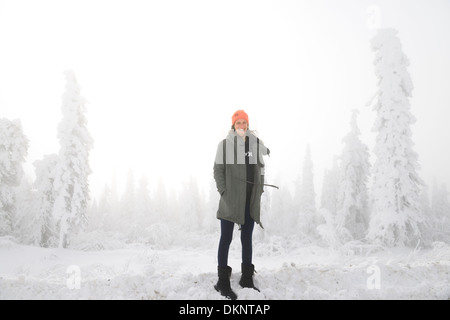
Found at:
[230, 174]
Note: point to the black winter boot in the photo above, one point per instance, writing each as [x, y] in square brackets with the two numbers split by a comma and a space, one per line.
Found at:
[247, 276]
[223, 285]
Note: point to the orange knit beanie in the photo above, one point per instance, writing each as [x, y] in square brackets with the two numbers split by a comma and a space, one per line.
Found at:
[240, 114]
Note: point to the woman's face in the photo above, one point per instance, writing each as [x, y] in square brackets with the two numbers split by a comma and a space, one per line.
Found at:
[241, 127]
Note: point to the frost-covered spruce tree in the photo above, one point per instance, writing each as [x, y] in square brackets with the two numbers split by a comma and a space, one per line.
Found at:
[128, 200]
[396, 218]
[328, 203]
[296, 197]
[161, 202]
[211, 207]
[308, 220]
[13, 150]
[286, 217]
[107, 209]
[71, 181]
[191, 206]
[427, 232]
[352, 215]
[440, 207]
[24, 209]
[45, 231]
[330, 188]
[143, 202]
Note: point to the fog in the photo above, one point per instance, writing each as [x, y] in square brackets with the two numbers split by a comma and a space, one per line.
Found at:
[136, 210]
[162, 80]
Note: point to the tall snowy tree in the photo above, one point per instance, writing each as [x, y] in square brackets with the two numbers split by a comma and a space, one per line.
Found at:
[308, 219]
[212, 204]
[161, 203]
[45, 226]
[283, 216]
[440, 207]
[108, 206]
[352, 202]
[192, 206]
[328, 203]
[143, 202]
[427, 233]
[128, 201]
[330, 188]
[266, 197]
[396, 218]
[95, 217]
[139, 218]
[24, 218]
[296, 195]
[72, 172]
[13, 150]
[131, 213]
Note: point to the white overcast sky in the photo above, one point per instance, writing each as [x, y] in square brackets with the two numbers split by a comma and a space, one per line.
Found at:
[162, 79]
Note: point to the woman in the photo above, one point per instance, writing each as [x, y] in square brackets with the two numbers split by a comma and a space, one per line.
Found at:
[239, 176]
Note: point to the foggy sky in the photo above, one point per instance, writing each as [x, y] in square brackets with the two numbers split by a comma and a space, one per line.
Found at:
[162, 79]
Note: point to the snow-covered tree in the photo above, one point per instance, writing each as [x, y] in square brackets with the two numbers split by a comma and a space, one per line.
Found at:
[396, 218]
[13, 150]
[95, 217]
[108, 206]
[283, 216]
[191, 206]
[277, 208]
[328, 204]
[440, 203]
[24, 218]
[296, 196]
[428, 233]
[212, 204]
[308, 219]
[267, 195]
[130, 216]
[160, 200]
[440, 207]
[107, 209]
[45, 226]
[352, 202]
[72, 172]
[143, 202]
[138, 217]
[330, 188]
[128, 201]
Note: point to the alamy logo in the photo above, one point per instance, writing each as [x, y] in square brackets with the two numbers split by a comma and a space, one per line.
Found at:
[249, 154]
[374, 280]
[374, 20]
[74, 279]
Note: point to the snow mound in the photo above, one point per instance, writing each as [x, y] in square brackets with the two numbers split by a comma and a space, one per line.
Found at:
[283, 271]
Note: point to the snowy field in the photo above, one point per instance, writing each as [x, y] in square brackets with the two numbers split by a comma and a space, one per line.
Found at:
[285, 270]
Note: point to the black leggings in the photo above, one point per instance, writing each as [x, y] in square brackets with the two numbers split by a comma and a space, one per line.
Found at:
[226, 236]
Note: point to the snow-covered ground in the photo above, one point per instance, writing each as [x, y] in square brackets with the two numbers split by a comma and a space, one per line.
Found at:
[285, 270]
